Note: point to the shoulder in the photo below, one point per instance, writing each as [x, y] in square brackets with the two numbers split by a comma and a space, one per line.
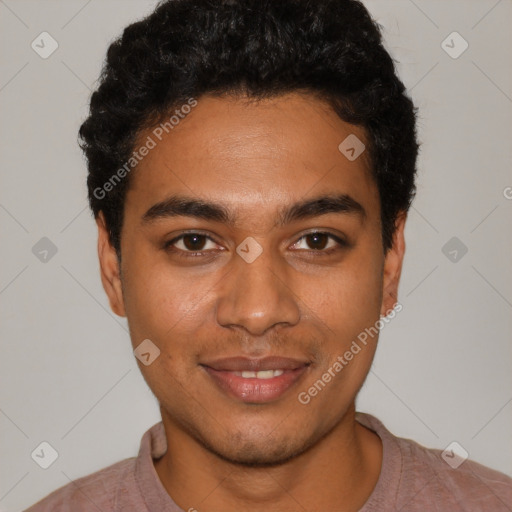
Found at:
[97, 491]
[449, 477]
[417, 478]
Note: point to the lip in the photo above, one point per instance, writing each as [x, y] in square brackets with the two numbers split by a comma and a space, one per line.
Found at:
[240, 364]
[254, 390]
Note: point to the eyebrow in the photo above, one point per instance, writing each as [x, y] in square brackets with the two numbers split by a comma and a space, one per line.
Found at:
[187, 206]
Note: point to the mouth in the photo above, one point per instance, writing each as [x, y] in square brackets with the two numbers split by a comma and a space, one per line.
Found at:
[256, 381]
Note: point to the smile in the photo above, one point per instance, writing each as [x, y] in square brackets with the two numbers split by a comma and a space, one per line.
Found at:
[256, 381]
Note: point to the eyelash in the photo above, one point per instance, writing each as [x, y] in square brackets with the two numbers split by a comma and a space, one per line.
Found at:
[168, 246]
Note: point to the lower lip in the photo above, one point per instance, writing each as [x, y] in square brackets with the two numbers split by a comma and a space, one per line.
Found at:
[252, 390]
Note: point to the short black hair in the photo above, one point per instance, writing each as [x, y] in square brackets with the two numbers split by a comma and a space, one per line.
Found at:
[331, 49]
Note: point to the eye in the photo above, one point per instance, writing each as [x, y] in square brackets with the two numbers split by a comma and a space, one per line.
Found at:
[192, 244]
[321, 242]
[195, 244]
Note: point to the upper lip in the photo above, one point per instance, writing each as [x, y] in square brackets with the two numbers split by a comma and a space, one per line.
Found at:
[240, 364]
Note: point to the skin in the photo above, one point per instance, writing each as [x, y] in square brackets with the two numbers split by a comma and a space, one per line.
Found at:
[293, 301]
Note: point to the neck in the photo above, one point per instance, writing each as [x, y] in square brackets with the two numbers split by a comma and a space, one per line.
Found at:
[338, 473]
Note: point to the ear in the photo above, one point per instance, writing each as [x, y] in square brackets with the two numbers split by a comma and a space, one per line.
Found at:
[109, 266]
[393, 267]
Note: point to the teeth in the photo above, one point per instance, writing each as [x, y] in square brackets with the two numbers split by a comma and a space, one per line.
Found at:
[263, 374]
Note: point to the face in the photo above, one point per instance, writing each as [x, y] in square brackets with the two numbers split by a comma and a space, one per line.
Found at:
[252, 259]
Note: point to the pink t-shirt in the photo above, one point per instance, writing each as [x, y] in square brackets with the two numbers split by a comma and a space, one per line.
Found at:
[412, 479]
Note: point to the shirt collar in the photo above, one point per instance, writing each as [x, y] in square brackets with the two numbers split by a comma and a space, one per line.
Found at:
[154, 445]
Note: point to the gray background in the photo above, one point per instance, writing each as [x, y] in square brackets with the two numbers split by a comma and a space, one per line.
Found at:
[443, 368]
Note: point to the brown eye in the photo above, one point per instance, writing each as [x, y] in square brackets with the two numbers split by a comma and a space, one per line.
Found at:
[194, 242]
[320, 242]
[317, 241]
[190, 244]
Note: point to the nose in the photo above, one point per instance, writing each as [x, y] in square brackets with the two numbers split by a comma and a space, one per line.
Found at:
[257, 296]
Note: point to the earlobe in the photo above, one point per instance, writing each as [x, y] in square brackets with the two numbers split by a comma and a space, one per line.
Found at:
[109, 268]
[393, 266]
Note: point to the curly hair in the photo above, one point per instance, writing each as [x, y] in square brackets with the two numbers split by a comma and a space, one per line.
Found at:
[331, 49]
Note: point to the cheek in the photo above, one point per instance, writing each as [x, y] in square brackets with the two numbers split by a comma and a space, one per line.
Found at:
[153, 299]
[165, 304]
[347, 310]
[349, 298]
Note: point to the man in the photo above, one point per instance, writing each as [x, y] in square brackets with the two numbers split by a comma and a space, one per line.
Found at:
[251, 165]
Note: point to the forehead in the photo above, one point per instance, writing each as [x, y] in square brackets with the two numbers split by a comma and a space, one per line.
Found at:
[251, 153]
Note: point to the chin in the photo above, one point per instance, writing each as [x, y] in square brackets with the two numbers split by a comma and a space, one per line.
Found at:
[255, 454]
[256, 448]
